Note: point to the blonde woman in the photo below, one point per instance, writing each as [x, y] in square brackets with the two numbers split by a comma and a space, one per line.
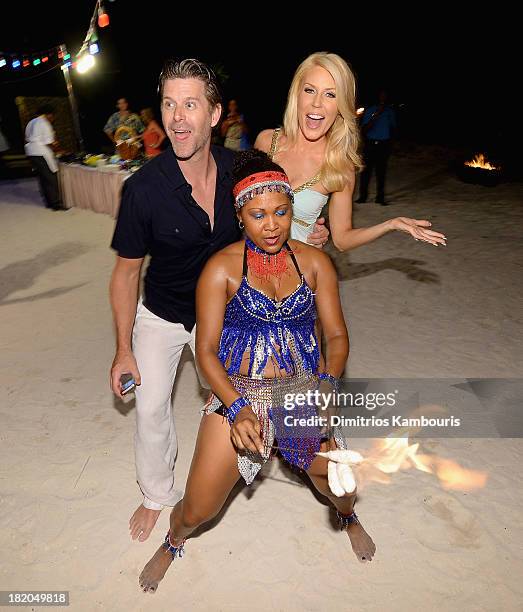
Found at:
[318, 148]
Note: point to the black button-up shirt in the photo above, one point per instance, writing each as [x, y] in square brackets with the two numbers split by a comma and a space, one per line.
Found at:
[158, 216]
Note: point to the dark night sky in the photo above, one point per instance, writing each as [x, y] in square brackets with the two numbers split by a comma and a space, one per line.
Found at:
[453, 78]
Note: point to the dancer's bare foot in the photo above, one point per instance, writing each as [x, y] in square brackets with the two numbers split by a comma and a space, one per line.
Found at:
[362, 544]
[142, 522]
[155, 570]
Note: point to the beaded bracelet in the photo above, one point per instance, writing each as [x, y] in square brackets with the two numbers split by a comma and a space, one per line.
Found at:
[234, 408]
[335, 382]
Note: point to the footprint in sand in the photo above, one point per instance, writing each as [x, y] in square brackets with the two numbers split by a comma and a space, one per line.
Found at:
[450, 525]
[306, 559]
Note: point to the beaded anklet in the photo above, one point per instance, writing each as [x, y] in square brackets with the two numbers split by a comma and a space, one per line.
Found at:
[176, 551]
[345, 520]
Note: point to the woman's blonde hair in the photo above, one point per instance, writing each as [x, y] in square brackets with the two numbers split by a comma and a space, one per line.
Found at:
[341, 154]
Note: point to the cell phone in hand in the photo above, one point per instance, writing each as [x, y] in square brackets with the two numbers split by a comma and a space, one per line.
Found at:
[127, 383]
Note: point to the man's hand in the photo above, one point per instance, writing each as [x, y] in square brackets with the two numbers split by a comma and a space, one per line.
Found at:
[123, 362]
[320, 234]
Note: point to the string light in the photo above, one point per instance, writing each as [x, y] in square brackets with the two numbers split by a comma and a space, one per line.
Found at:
[103, 17]
[85, 63]
[90, 47]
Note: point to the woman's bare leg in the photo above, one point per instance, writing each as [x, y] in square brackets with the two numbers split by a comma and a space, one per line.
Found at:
[213, 474]
[362, 544]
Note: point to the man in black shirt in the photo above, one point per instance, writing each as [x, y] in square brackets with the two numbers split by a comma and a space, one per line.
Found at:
[178, 209]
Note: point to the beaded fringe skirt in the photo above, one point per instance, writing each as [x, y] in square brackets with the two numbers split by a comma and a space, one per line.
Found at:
[270, 400]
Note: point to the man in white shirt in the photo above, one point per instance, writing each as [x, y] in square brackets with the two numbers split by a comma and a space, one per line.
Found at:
[39, 148]
[4, 146]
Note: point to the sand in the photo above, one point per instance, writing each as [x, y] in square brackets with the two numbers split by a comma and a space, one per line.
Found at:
[67, 483]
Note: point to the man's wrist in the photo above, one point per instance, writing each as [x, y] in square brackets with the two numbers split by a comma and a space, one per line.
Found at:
[124, 350]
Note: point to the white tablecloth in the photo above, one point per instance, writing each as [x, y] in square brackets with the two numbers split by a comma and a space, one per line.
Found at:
[92, 188]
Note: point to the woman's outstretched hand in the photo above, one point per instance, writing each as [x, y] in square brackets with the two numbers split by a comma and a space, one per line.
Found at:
[418, 230]
[246, 431]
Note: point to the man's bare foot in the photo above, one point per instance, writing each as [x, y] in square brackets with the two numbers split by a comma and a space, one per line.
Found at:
[142, 522]
[362, 544]
[155, 570]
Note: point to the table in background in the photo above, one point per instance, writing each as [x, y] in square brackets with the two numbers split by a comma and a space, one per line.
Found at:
[92, 188]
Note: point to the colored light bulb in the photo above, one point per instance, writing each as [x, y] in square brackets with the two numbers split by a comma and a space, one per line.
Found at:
[103, 19]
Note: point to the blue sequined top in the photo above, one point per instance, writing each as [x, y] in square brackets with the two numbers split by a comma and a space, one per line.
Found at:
[266, 328]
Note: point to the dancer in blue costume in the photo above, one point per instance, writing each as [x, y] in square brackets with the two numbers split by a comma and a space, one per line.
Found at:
[259, 301]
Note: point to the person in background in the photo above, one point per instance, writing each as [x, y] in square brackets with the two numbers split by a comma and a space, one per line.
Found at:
[378, 126]
[123, 117]
[4, 146]
[234, 130]
[40, 148]
[153, 136]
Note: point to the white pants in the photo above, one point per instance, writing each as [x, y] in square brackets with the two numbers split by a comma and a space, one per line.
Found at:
[157, 346]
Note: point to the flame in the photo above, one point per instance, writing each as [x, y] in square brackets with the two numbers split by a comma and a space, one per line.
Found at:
[455, 477]
[360, 111]
[389, 455]
[480, 161]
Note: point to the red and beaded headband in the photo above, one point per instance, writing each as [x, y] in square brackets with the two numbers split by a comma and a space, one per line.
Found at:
[258, 183]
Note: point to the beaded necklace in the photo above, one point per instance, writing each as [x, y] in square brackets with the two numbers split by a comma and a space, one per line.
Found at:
[265, 264]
